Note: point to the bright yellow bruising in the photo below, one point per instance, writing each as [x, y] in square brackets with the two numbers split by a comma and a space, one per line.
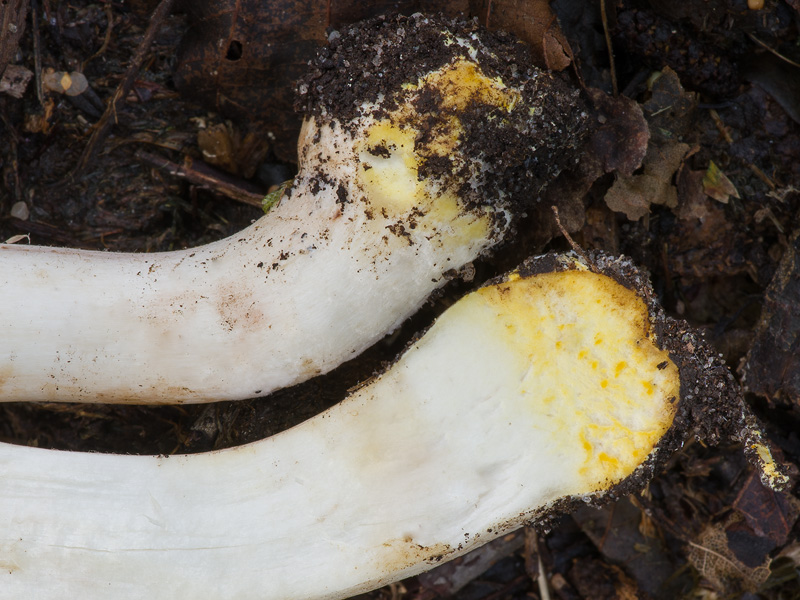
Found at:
[769, 468]
[395, 148]
[599, 387]
[390, 167]
[462, 82]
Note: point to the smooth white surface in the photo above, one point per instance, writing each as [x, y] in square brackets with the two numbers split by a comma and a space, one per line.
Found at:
[450, 448]
[308, 286]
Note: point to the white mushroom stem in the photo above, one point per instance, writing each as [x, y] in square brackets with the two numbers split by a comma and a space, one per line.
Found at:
[367, 232]
[535, 389]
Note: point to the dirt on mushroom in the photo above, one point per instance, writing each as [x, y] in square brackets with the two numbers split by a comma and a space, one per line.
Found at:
[711, 263]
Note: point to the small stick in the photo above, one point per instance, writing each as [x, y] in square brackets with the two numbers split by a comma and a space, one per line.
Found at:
[201, 174]
[37, 51]
[572, 242]
[604, 18]
[103, 125]
[106, 39]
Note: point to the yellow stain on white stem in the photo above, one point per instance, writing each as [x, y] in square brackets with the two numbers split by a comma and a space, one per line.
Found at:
[769, 468]
[395, 148]
[598, 386]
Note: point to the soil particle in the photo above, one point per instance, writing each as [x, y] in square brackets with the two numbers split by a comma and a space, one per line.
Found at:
[661, 42]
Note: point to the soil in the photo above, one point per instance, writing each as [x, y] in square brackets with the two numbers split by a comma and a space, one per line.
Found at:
[720, 244]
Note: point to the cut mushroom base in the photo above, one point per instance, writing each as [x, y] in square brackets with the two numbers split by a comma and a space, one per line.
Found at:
[389, 199]
[551, 386]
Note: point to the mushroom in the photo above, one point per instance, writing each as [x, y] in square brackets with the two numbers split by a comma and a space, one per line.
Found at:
[423, 141]
[559, 384]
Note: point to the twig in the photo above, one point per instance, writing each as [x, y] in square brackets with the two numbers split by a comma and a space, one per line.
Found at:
[723, 129]
[604, 18]
[589, 262]
[106, 40]
[103, 125]
[773, 51]
[544, 591]
[201, 174]
[37, 51]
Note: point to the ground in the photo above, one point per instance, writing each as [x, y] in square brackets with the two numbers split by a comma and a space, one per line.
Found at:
[694, 172]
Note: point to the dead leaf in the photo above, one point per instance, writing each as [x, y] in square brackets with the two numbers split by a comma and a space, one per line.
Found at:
[534, 22]
[703, 242]
[15, 80]
[635, 194]
[223, 146]
[216, 145]
[556, 51]
[41, 122]
[615, 531]
[772, 368]
[712, 554]
[770, 514]
[717, 185]
[779, 79]
[596, 580]
[14, 239]
[670, 110]
[447, 579]
[692, 200]
[620, 142]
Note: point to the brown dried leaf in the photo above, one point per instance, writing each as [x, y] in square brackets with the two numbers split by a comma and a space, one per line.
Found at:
[635, 194]
[597, 580]
[779, 79]
[14, 80]
[447, 579]
[41, 122]
[556, 51]
[717, 185]
[704, 242]
[692, 201]
[616, 531]
[223, 146]
[240, 59]
[768, 513]
[534, 22]
[620, 143]
[712, 554]
[216, 144]
[670, 109]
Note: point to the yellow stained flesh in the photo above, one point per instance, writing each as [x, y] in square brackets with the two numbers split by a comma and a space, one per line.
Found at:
[391, 154]
[598, 385]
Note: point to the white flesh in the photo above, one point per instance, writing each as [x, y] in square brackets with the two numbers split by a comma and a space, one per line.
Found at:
[520, 394]
[311, 284]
